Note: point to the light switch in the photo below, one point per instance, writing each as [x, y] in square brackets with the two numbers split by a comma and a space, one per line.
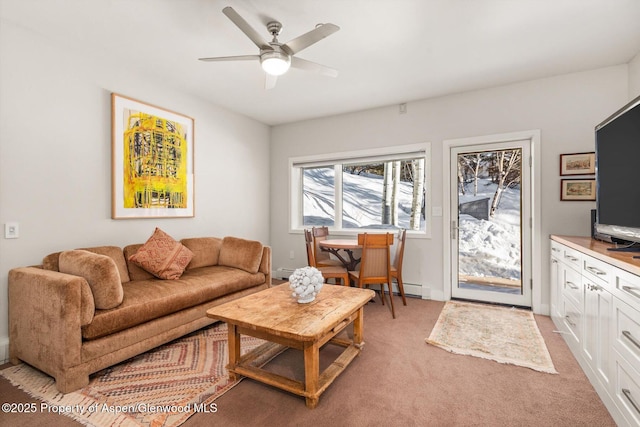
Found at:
[11, 230]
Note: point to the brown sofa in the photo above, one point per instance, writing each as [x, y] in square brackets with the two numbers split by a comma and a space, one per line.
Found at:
[54, 324]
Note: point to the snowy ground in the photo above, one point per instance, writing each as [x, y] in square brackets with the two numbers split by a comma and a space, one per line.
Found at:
[491, 248]
[362, 200]
[486, 248]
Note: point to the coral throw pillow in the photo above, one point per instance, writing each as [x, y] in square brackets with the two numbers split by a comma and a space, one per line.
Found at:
[162, 256]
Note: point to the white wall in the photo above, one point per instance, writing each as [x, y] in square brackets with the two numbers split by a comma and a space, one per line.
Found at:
[55, 157]
[634, 77]
[565, 109]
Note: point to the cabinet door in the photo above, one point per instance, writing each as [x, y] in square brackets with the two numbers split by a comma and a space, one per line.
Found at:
[597, 330]
[627, 391]
[627, 332]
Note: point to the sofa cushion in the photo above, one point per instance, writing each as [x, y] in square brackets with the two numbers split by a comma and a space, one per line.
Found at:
[100, 271]
[240, 253]
[206, 251]
[135, 272]
[162, 256]
[50, 262]
[145, 300]
[116, 254]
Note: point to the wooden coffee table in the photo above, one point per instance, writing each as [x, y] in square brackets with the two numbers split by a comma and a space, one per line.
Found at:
[273, 315]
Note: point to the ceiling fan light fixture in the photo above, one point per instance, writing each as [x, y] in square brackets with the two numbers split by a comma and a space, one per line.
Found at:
[275, 63]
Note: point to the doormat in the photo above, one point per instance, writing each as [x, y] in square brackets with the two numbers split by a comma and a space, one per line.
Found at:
[505, 335]
[162, 387]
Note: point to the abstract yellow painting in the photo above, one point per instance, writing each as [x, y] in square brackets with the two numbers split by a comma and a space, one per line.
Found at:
[152, 161]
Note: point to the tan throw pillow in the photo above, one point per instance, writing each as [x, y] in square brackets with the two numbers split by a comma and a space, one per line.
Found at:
[240, 253]
[206, 251]
[162, 256]
[101, 273]
[116, 254]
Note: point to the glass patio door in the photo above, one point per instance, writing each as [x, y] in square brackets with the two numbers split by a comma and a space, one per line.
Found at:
[490, 223]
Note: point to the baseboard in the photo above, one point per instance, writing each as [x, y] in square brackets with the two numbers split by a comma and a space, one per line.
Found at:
[436, 295]
[4, 349]
[544, 310]
[409, 289]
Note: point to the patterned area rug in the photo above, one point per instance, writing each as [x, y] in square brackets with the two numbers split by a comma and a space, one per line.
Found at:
[162, 387]
[506, 335]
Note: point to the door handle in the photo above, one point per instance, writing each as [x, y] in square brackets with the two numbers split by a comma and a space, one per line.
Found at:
[454, 230]
[627, 393]
[628, 335]
[596, 271]
[572, 285]
[633, 291]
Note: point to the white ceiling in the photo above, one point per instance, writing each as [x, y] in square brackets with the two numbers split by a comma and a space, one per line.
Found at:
[387, 51]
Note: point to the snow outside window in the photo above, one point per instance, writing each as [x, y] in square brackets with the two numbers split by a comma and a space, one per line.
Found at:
[362, 190]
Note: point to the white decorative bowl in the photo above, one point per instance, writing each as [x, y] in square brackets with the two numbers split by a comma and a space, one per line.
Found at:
[305, 283]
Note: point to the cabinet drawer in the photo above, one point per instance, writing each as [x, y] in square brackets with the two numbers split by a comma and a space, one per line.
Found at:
[572, 258]
[626, 286]
[572, 320]
[598, 270]
[572, 286]
[626, 322]
[627, 391]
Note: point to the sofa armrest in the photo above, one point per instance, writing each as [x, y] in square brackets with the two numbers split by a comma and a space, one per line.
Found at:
[265, 264]
[46, 312]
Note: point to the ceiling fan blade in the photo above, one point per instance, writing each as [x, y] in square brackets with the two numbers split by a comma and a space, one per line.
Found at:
[270, 81]
[231, 58]
[303, 64]
[307, 39]
[246, 28]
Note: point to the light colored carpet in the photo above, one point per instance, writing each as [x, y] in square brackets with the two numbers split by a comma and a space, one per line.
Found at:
[506, 335]
[162, 387]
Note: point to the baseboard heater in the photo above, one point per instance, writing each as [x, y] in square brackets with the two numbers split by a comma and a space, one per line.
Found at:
[284, 273]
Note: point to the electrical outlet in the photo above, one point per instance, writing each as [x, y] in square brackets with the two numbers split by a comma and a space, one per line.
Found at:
[291, 255]
[11, 230]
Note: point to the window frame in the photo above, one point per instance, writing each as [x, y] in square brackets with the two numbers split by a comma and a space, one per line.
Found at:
[402, 152]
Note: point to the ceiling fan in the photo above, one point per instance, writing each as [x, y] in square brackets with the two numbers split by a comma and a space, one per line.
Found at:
[275, 57]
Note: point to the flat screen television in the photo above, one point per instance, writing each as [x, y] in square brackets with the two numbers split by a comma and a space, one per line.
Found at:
[617, 173]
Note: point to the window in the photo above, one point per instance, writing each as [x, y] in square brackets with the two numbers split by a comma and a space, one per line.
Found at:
[372, 189]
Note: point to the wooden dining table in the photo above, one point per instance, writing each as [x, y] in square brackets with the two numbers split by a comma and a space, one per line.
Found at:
[340, 246]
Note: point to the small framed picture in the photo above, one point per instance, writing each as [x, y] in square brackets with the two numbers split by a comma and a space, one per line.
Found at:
[578, 164]
[578, 189]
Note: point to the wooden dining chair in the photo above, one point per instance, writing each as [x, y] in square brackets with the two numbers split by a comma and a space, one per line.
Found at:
[328, 272]
[323, 259]
[375, 264]
[396, 267]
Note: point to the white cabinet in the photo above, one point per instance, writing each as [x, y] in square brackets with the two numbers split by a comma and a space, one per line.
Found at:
[595, 303]
[626, 343]
[596, 339]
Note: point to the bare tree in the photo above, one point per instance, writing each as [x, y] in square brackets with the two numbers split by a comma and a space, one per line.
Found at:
[469, 164]
[390, 201]
[395, 168]
[508, 171]
[461, 180]
[387, 190]
[417, 172]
